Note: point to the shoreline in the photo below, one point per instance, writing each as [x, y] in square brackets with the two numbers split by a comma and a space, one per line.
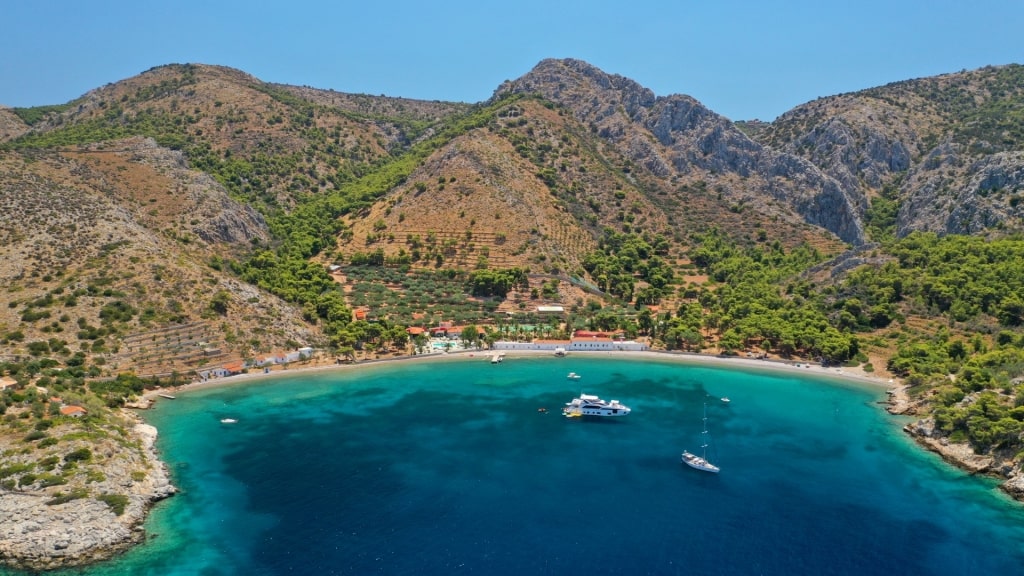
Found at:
[158, 485]
[897, 403]
[845, 374]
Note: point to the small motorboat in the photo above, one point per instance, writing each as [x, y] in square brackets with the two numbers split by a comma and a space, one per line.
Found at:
[725, 400]
[228, 421]
[573, 376]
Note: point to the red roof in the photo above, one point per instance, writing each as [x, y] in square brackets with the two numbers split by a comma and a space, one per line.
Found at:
[414, 330]
[234, 367]
[72, 410]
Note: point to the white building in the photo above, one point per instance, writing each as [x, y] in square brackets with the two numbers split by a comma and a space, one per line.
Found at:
[575, 345]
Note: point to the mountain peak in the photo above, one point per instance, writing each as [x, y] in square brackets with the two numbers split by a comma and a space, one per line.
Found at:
[565, 81]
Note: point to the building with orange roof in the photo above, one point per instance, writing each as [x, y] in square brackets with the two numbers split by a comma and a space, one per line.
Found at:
[234, 368]
[73, 411]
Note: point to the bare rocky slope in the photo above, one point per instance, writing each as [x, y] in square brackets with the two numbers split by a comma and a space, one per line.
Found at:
[675, 138]
[945, 149]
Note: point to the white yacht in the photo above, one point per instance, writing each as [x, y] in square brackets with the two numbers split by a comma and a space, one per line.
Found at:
[573, 376]
[587, 405]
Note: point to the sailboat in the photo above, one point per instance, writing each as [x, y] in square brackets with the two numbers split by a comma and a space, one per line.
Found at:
[701, 462]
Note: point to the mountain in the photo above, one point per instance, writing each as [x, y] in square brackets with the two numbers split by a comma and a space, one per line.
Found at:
[946, 150]
[145, 194]
[675, 140]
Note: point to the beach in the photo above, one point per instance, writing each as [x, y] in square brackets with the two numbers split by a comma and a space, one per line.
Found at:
[317, 364]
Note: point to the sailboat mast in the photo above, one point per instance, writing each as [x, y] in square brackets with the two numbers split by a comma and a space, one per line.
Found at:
[704, 434]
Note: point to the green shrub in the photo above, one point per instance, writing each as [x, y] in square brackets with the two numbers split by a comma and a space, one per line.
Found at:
[46, 442]
[49, 463]
[47, 480]
[80, 455]
[117, 502]
[60, 498]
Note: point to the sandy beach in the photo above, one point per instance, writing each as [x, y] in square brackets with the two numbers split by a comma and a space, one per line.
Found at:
[316, 364]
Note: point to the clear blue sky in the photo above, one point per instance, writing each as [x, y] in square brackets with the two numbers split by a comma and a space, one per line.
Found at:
[744, 59]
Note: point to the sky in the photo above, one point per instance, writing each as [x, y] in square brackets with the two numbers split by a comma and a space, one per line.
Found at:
[744, 59]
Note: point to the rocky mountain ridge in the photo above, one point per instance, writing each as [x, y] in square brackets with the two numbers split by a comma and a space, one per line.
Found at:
[693, 143]
[945, 148]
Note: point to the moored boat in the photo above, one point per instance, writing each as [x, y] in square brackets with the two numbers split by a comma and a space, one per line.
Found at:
[589, 405]
[701, 462]
[698, 462]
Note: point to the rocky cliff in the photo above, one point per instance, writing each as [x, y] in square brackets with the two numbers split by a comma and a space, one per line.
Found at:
[946, 149]
[675, 137]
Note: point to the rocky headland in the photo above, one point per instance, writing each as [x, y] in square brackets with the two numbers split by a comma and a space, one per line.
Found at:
[959, 454]
[95, 515]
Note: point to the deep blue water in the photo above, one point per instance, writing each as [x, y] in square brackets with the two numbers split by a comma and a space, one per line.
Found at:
[448, 467]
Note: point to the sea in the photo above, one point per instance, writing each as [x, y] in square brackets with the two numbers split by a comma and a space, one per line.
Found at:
[460, 466]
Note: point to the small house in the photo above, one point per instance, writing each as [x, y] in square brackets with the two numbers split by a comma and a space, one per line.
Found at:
[73, 411]
[234, 368]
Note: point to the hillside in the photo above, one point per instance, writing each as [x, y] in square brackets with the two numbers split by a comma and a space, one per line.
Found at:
[122, 238]
[194, 217]
[229, 184]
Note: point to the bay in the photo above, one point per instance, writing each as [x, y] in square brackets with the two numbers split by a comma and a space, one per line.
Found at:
[449, 466]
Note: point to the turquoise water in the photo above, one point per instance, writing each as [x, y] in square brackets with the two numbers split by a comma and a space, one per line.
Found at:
[449, 467]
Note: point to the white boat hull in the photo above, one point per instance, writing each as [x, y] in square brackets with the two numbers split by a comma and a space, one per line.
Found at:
[593, 406]
[694, 461]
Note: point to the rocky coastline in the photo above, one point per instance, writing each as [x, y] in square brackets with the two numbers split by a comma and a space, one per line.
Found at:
[959, 454]
[40, 533]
